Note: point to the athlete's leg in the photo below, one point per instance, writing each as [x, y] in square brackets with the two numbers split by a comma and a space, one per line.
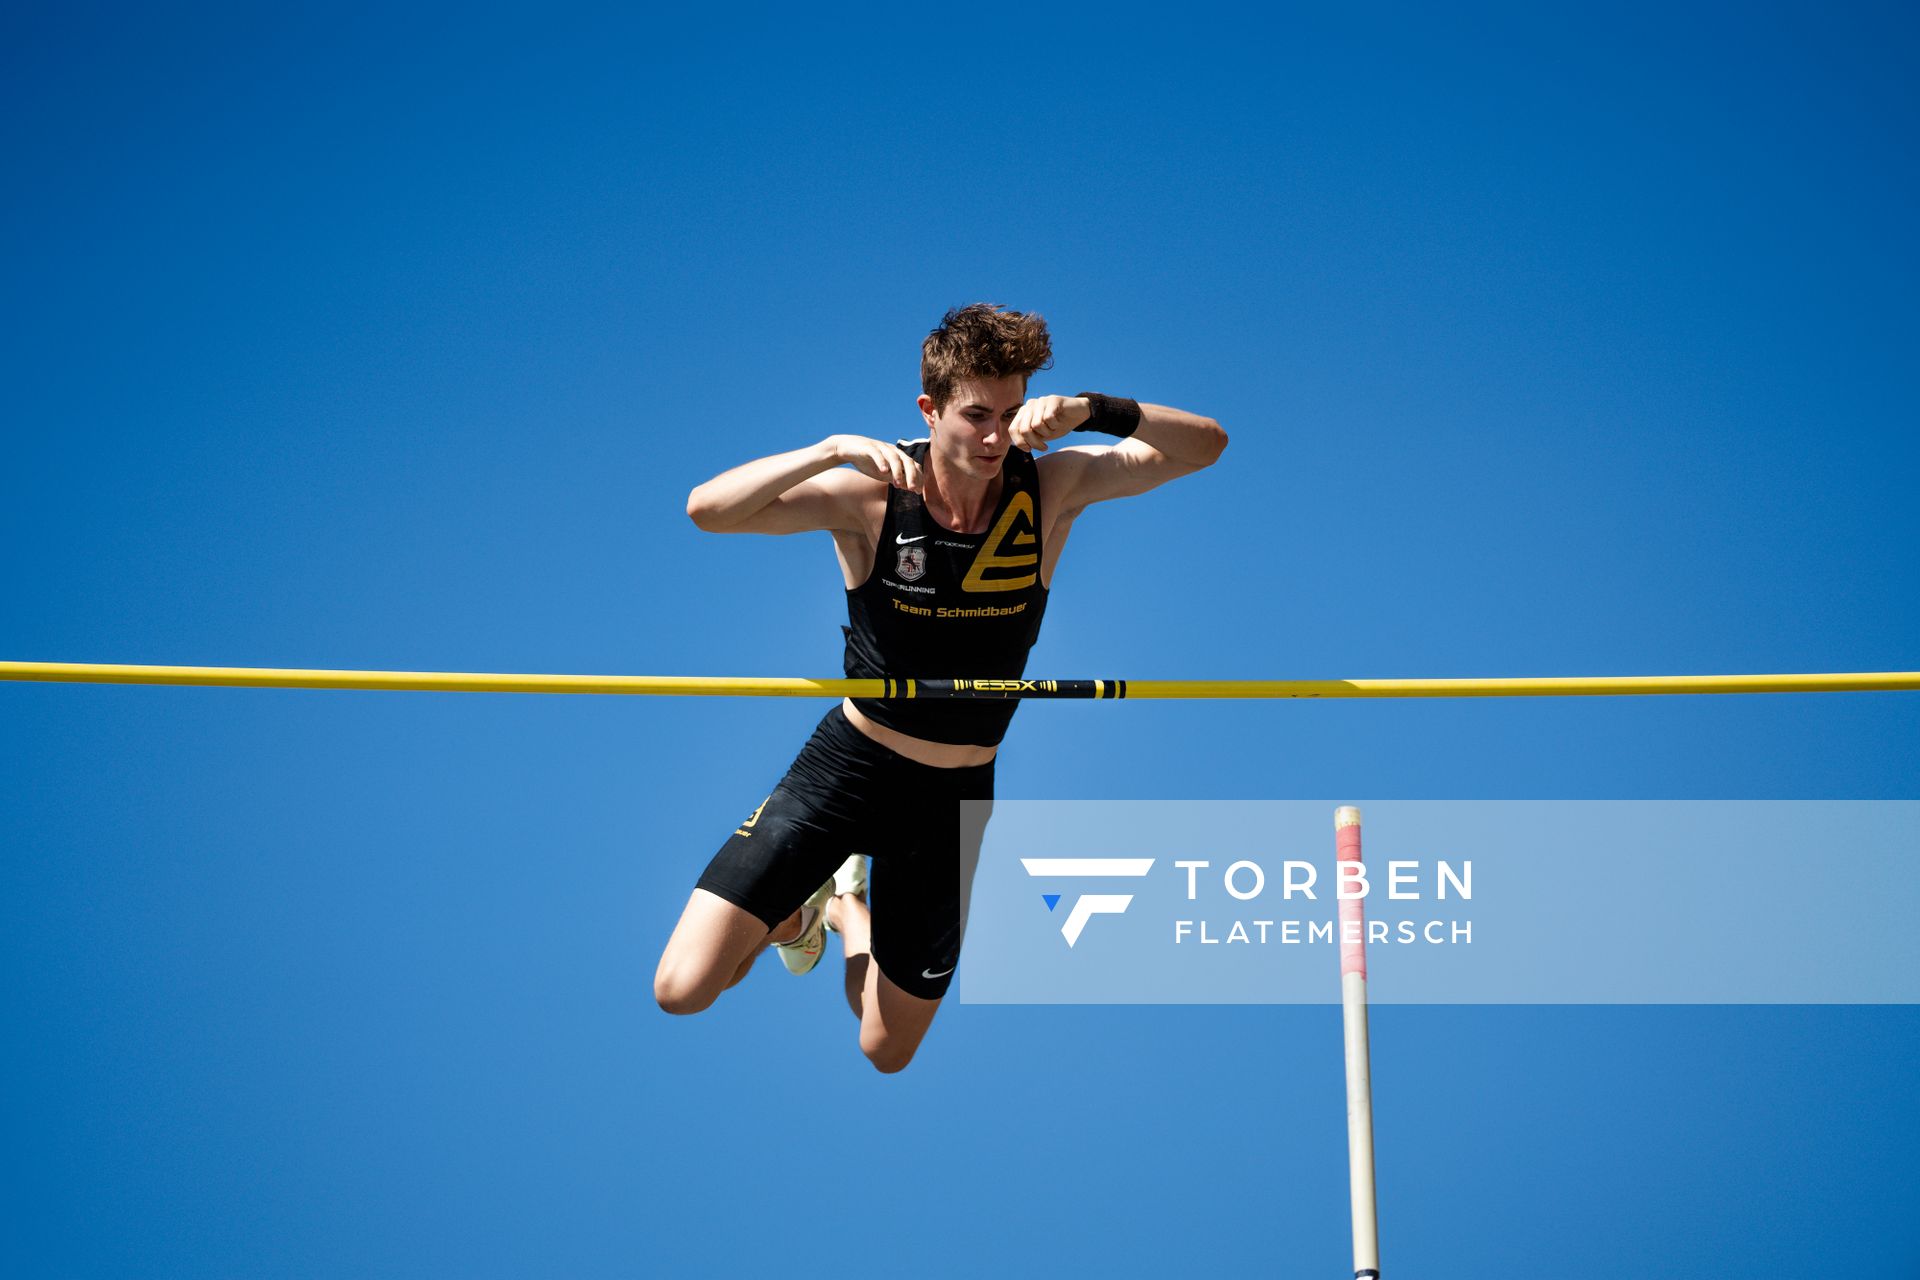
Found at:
[892, 1022]
[923, 881]
[848, 916]
[749, 896]
[850, 883]
[711, 949]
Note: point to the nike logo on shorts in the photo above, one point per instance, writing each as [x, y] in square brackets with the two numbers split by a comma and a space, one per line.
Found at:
[902, 539]
[928, 973]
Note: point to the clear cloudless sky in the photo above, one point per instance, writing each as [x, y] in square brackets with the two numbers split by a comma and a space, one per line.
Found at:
[1563, 340]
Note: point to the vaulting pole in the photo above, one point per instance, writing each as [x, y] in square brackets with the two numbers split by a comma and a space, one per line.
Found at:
[1353, 1008]
[785, 687]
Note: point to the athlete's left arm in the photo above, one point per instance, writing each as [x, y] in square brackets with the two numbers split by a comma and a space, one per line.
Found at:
[1169, 443]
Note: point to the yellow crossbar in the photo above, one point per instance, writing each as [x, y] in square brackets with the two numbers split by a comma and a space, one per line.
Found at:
[786, 687]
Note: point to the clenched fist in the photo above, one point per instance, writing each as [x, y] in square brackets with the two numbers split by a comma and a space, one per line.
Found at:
[1044, 419]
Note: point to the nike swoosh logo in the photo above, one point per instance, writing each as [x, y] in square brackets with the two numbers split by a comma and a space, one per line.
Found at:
[928, 973]
[903, 539]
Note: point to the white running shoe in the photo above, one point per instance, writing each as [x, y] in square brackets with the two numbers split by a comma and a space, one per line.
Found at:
[803, 952]
[850, 878]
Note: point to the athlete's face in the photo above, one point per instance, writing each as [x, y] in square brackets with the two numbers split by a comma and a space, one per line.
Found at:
[971, 432]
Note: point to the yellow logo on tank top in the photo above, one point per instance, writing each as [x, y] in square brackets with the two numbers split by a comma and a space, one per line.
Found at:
[1000, 554]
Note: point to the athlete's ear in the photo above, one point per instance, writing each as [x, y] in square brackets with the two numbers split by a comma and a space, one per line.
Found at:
[926, 410]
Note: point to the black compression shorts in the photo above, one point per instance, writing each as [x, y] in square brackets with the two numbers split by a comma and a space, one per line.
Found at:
[845, 793]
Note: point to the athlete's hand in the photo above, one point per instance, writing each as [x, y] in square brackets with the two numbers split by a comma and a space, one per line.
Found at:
[878, 460]
[1044, 419]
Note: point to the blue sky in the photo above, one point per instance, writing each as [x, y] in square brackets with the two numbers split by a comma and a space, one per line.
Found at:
[1550, 343]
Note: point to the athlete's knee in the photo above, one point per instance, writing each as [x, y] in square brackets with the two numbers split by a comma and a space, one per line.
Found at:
[681, 999]
[676, 990]
[888, 1054]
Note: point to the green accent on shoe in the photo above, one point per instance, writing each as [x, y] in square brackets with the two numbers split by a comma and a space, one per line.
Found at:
[802, 953]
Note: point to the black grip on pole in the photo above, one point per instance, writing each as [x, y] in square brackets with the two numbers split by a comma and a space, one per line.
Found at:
[1018, 687]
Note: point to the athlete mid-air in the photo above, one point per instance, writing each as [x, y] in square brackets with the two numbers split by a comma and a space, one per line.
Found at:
[948, 546]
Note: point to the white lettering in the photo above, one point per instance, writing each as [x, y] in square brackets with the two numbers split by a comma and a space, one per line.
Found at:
[1192, 868]
[1289, 884]
[1259, 880]
[1352, 881]
[1400, 880]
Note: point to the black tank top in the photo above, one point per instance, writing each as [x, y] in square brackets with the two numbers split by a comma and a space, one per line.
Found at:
[940, 604]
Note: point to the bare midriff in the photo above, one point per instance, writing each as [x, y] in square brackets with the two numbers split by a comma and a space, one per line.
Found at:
[941, 755]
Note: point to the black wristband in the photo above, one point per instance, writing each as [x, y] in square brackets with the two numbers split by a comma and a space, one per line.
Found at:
[1114, 415]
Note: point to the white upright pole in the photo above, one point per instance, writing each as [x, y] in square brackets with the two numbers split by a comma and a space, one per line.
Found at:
[1353, 1003]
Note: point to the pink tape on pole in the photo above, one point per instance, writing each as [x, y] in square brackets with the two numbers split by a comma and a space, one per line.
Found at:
[1353, 914]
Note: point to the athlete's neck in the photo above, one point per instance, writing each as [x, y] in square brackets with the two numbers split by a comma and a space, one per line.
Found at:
[962, 502]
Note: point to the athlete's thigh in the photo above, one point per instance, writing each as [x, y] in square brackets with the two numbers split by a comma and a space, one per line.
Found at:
[779, 854]
[712, 940]
[788, 847]
[920, 885]
[775, 858]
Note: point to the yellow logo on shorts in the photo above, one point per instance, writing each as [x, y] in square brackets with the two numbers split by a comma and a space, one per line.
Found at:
[746, 828]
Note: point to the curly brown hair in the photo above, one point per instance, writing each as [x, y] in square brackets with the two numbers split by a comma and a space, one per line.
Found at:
[983, 340]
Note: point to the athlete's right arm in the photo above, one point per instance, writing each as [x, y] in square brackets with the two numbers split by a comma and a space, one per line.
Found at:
[801, 491]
